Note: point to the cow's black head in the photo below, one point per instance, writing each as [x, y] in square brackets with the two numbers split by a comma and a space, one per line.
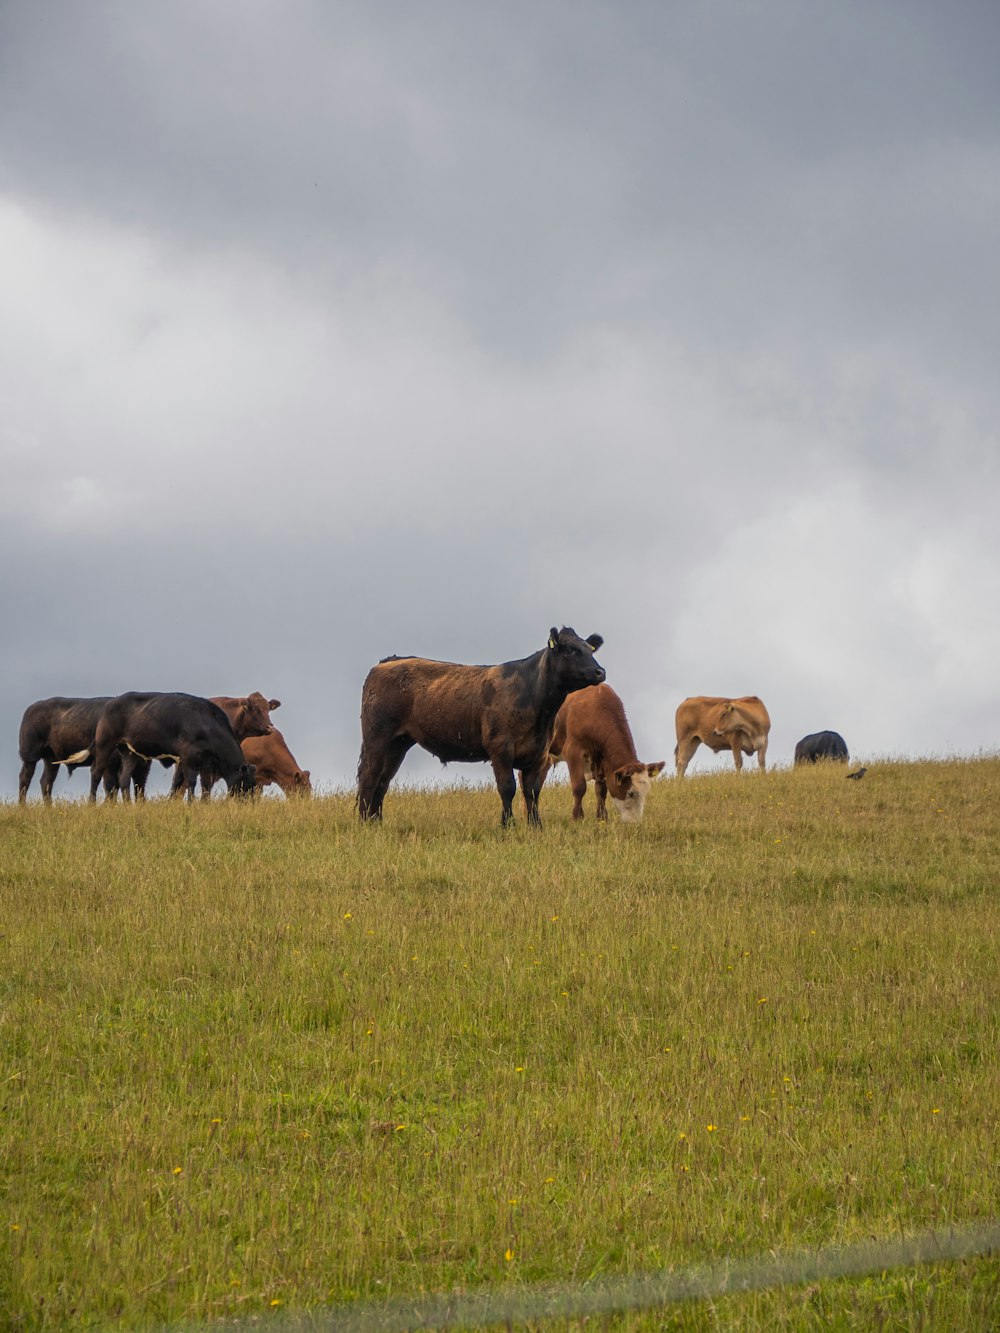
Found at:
[574, 660]
[244, 782]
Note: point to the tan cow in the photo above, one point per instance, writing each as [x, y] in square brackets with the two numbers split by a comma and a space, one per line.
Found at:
[740, 725]
[274, 762]
[593, 736]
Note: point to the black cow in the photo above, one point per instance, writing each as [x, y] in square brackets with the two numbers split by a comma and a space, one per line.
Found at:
[821, 745]
[249, 715]
[502, 715]
[59, 731]
[192, 732]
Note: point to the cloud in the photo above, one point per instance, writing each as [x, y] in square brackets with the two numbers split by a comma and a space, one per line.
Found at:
[328, 335]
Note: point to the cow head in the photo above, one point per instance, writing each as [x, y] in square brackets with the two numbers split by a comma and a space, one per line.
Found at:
[244, 783]
[728, 720]
[574, 660]
[253, 715]
[301, 783]
[629, 788]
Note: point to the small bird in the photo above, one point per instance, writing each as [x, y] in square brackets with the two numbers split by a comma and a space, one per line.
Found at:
[859, 774]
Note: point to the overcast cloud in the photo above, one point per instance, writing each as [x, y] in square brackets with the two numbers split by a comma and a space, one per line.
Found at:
[329, 331]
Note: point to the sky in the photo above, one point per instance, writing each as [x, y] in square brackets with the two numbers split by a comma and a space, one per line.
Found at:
[330, 331]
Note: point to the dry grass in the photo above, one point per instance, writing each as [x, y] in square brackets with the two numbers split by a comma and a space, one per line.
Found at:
[258, 1054]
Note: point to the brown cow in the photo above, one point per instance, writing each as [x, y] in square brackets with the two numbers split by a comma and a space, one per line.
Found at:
[274, 762]
[471, 714]
[740, 725]
[592, 735]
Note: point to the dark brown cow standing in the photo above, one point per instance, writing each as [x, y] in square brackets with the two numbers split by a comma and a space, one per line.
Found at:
[593, 736]
[58, 732]
[502, 715]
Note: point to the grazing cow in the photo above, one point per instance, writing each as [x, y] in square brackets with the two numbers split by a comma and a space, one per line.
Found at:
[250, 715]
[740, 725]
[192, 732]
[821, 745]
[274, 762]
[593, 736]
[502, 715]
[58, 731]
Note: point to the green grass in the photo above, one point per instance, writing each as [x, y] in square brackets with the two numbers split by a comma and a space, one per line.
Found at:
[259, 1054]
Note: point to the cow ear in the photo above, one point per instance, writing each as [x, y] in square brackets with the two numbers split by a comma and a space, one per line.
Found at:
[653, 769]
[623, 777]
[272, 704]
[594, 640]
[553, 637]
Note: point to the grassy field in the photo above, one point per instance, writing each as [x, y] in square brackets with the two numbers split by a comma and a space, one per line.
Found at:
[257, 1058]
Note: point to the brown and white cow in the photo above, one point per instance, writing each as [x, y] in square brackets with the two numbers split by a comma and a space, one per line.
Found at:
[593, 736]
[502, 715]
[740, 725]
[274, 762]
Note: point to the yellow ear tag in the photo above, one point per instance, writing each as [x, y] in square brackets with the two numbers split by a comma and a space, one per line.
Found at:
[552, 643]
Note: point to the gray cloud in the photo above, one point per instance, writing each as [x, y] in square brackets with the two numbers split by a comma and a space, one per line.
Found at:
[327, 333]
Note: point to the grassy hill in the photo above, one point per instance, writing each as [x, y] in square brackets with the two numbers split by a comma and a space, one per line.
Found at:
[255, 1057]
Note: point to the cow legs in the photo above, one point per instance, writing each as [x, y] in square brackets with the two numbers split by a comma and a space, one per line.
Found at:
[179, 780]
[49, 771]
[132, 774]
[531, 789]
[684, 753]
[106, 764]
[140, 774]
[577, 785]
[110, 784]
[378, 765]
[601, 791]
[188, 780]
[737, 750]
[24, 782]
[506, 786]
[761, 753]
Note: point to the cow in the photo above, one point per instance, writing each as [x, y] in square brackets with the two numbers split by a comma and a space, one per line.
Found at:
[502, 715]
[592, 735]
[274, 762]
[821, 745]
[192, 732]
[249, 715]
[740, 725]
[58, 731]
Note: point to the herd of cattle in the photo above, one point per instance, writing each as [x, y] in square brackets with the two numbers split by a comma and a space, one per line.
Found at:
[522, 716]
